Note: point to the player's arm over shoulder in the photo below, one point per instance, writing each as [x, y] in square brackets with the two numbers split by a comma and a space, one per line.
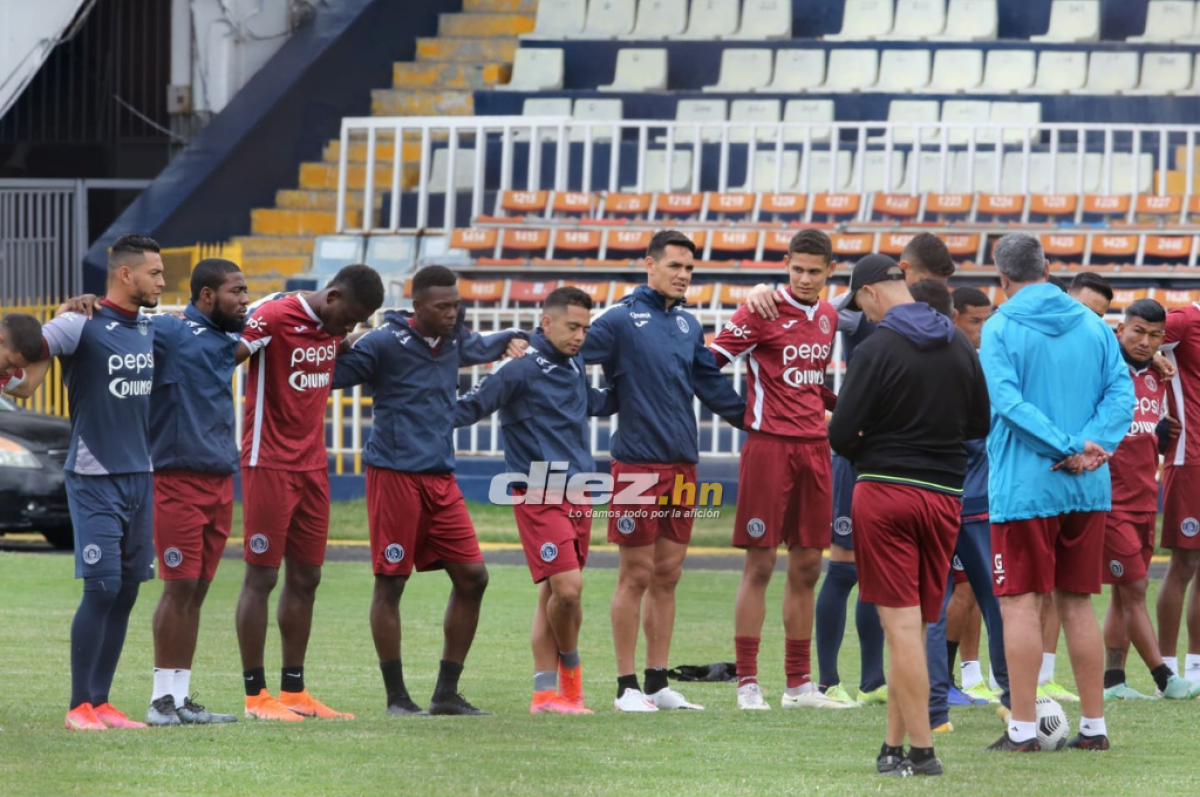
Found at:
[739, 334]
[260, 326]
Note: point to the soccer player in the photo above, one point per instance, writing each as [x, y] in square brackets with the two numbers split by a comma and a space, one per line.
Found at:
[655, 361]
[1129, 529]
[785, 476]
[292, 344]
[544, 401]
[22, 368]
[1092, 291]
[415, 510]
[924, 257]
[1062, 400]
[108, 367]
[913, 396]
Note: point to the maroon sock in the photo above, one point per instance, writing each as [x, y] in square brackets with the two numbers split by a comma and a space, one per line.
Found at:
[796, 661]
[747, 659]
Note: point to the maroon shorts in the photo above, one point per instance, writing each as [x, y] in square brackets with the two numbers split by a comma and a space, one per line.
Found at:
[904, 538]
[417, 520]
[636, 524]
[555, 537]
[1128, 546]
[785, 493]
[286, 513]
[1043, 554]
[957, 571]
[1181, 507]
[193, 515]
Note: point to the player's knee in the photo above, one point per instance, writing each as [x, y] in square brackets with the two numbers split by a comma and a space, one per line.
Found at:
[126, 595]
[389, 588]
[805, 572]
[304, 580]
[260, 579]
[471, 582]
[635, 578]
[102, 591]
[569, 592]
[667, 576]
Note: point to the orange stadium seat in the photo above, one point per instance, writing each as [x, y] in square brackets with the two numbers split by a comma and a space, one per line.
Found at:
[481, 291]
[627, 244]
[730, 205]
[1123, 297]
[622, 289]
[524, 203]
[893, 243]
[680, 207]
[573, 203]
[598, 291]
[949, 206]
[733, 295]
[903, 207]
[1003, 207]
[577, 243]
[530, 292]
[1176, 248]
[853, 245]
[1053, 207]
[625, 206]
[1106, 206]
[1061, 245]
[479, 243]
[836, 206]
[1171, 299]
[733, 244]
[1193, 209]
[778, 206]
[777, 243]
[701, 295]
[962, 245]
[1118, 248]
[524, 243]
[1159, 208]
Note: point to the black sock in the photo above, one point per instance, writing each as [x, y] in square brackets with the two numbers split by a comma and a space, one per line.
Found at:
[656, 680]
[292, 679]
[448, 674]
[919, 755]
[87, 635]
[1161, 674]
[886, 750]
[951, 658]
[626, 682]
[255, 680]
[1113, 678]
[393, 681]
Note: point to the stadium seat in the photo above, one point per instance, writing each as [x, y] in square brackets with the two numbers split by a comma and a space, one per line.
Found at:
[851, 70]
[1120, 247]
[700, 111]
[1106, 206]
[956, 71]
[742, 70]
[821, 167]
[777, 207]
[464, 170]
[573, 204]
[865, 19]
[1053, 208]
[946, 206]
[732, 245]
[904, 112]
[902, 71]
[1062, 245]
[661, 19]
[477, 243]
[1072, 21]
[598, 292]
[712, 19]
[577, 243]
[766, 19]
[965, 112]
[524, 243]
[1172, 299]
[730, 206]
[1112, 73]
[1166, 73]
[1167, 21]
[768, 169]
[929, 165]
[1051, 175]
[560, 19]
[971, 20]
[626, 243]
[879, 171]
[1160, 209]
[852, 245]
[526, 292]
[797, 71]
[897, 207]
[1168, 249]
[701, 295]
[389, 254]
[1130, 177]
[733, 295]
[684, 207]
[836, 207]
[808, 111]
[1008, 71]
[609, 19]
[529, 204]
[764, 113]
[536, 69]
[481, 291]
[655, 177]
[918, 19]
[1060, 72]
[597, 111]
[1021, 118]
[543, 106]
[331, 252]
[617, 205]
[639, 70]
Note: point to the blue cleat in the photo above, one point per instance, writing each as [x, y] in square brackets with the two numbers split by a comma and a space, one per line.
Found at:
[958, 697]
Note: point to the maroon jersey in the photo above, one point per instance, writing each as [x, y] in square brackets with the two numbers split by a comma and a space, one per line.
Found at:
[291, 370]
[1182, 346]
[1134, 465]
[10, 381]
[786, 361]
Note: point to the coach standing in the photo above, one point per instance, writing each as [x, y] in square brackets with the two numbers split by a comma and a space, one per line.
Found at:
[1062, 400]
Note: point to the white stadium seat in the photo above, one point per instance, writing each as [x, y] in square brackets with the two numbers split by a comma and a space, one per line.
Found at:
[766, 19]
[639, 70]
[903, 71]
[1072, 21]
[971, 20]
[655, 176]
[610, 19]
[851, 70]
[865, 19]
[874, 164]
[821, 178]
[956, 70]
[767, 167]
[743, 69]
[464, 170]
[1060, 72]
[1020, 115]
[763, 112]
[536, 69]
[1167, 21]
[797, 71]
[918, 19]
[560, 19]
[597, 111]
[907, 112]
[965, 112]
[700, 111]
[1064, 168]
[661, 19]
[1166, 73]
[712, 19]
[1129, 176]
[930, 164]
[808, 111]
[983, 179]
[1112, 73]
[1009, 71]
[544, 106]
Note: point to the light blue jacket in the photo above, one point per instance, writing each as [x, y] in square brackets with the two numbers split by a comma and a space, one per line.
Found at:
[1057, 380]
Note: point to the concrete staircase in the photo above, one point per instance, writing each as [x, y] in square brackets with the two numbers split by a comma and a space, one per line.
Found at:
[473, 50]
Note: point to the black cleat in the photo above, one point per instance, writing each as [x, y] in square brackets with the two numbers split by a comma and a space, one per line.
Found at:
[405, 707]
[454, 705]
[887, 761]
[1083, 742]
[1006, 745]
[195, 714]
[907, 769]
[162, 713]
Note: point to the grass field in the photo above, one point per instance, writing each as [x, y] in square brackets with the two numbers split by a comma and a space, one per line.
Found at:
[717, 752]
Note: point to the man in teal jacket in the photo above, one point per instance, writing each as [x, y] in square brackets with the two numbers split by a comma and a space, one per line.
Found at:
[1062, 400]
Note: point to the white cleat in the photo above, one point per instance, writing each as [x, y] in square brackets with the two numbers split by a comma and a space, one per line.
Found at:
[813, 698]
[668, 699]
[750, 698]
[634, 702]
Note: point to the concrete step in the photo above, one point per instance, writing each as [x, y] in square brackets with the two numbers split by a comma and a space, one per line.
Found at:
[448, 75]
[479, 50]
[324, 176]
[287, 223]
[484, 25]
[390, 102]
[276, 265]
[385, 150]
[300, 199]
[263, 245]
[501, 6]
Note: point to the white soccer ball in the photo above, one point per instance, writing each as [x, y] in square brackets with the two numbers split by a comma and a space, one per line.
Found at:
[1053, 727]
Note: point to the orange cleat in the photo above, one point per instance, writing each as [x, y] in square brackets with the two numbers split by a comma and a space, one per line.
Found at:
[563, 706]
[541, 700]
[83, 718]
[306, 705]
[114, 718]
[570, 686]
[264, 707]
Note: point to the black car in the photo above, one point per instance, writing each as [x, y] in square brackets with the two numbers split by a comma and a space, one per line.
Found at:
[33, 448]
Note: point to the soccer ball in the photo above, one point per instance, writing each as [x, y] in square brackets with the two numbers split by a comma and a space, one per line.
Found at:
[1052, 725]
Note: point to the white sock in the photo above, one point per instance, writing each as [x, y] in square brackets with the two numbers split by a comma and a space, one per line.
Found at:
[181, 685]
[1021, 731]
[972, 674]
[802, 689]
[1173, 663]
[993, 684]
[1046, 674]
[1092, 727]
[1193, 666]
[164, 679]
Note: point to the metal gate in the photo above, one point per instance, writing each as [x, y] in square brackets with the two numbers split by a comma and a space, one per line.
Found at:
[43, 237]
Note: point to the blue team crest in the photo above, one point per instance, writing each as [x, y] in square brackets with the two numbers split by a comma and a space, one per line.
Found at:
[172, 557]
[144, 326]
[626, 524]
[91, 554]
[682, 323]
[394, 553]
[549, 552]
[756, 528]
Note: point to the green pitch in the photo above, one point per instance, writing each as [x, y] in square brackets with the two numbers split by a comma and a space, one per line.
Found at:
[718, 752]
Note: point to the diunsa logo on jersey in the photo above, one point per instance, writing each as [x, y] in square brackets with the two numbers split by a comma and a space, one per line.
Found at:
[394, 553]
[756, 528]
[1190, 527]
[312, 355]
